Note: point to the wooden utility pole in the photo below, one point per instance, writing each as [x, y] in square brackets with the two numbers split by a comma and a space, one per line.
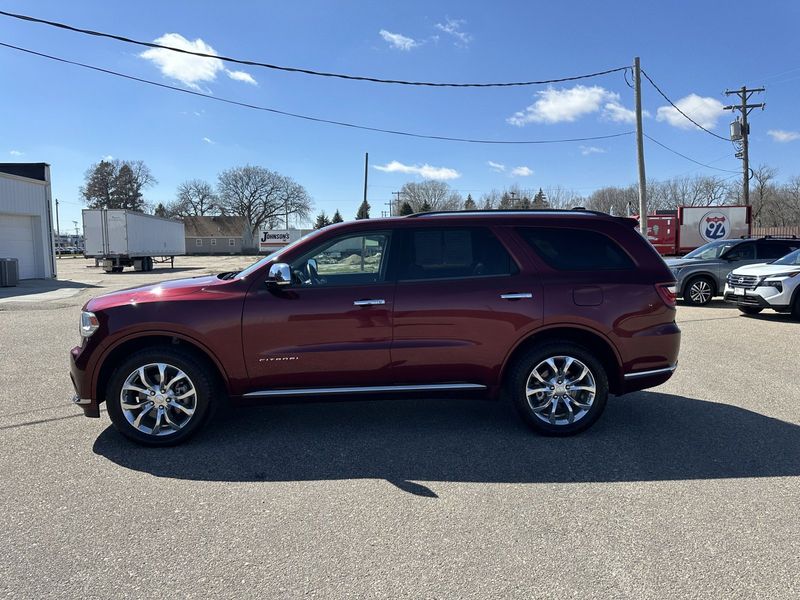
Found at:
[637, 88]
[744, 108]
[366, 174]
[58, 232]
[395, 204]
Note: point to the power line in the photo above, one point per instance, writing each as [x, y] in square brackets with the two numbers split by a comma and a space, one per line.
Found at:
[310, 118]
[697, 162]
[658, 89]
[254, 63]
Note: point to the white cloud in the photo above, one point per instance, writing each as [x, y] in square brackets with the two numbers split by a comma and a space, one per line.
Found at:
[569, 104]
[614, 111]
[186, 68]
[398, 40]
[208, 140]
[587, 150]
[107, 158]
[705, 110]
[453, 27]
[15, 153]
[780, 135]
[497, 167]
[241, 76]
[426, 171]
[522, 171]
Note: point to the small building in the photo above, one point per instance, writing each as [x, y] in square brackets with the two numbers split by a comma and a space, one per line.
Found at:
[26, 219]
[218, 235]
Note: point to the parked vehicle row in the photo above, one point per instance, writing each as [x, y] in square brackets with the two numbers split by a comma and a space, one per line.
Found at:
[774, 285]
[552, 309]
[702, 274]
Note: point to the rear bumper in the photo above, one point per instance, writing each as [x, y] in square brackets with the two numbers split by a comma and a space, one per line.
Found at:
[641, 380]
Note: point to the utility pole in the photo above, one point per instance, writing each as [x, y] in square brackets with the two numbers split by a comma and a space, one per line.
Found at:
[637, 89]
[58, 231]
[396, 204]
[366, 174]
[744, 108]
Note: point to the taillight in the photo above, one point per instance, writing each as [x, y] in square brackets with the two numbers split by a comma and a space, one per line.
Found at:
[667, 293]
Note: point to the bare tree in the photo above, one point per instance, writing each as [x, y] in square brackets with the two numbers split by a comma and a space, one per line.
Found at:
[196, 198]
[436, 194]
[561, 197]
[262, 196]
[763, 193]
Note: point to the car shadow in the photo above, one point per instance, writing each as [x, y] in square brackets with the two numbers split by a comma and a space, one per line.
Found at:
[645, 436]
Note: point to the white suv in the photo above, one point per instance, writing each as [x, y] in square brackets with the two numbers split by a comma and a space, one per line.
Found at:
[774, 285]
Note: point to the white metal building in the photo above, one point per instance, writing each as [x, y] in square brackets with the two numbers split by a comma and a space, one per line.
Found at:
[26, 220]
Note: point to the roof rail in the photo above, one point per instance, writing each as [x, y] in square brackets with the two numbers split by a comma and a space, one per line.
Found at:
[509, 211]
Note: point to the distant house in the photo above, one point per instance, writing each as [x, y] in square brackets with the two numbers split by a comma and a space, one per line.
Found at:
[218, 235]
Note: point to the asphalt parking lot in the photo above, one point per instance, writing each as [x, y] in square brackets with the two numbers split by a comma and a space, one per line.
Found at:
[690, 490]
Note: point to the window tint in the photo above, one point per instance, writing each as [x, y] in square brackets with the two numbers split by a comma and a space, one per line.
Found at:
[350, 260]
[454, 252]
[746, 251]
[576, 249]
[775, 249]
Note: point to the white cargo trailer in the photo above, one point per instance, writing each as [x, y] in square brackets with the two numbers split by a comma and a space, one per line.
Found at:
[124, 238]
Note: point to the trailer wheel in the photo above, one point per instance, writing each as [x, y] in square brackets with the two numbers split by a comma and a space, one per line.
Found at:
[148, 263]
[116, 269]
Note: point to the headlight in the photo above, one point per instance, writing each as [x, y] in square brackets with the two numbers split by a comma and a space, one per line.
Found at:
[781, 276]
[89, 323]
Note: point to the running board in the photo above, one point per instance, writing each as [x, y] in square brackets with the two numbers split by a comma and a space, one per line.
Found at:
[372, 389]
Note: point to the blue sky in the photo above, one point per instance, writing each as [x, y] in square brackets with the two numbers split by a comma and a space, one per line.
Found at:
[71, 118]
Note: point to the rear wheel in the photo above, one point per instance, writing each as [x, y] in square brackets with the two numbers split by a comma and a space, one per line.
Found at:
[148, 263]
[160, 396]
[699, 291]
[559, 388]
[796, 307]
[750, 310]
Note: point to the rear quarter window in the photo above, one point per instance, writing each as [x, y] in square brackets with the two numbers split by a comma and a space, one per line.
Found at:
[568, 249]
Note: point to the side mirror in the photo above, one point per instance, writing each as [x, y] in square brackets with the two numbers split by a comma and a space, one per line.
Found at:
[279, 275]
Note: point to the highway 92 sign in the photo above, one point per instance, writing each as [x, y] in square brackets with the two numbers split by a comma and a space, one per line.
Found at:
[714, 225]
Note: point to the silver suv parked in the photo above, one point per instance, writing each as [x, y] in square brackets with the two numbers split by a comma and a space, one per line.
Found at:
[701, 274]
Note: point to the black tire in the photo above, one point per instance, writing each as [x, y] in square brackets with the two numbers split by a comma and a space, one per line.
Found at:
[116, 269]
[796, 306]
[699, 290]
[148, 263]
[517, 385]
[206, 395]
[750, 310]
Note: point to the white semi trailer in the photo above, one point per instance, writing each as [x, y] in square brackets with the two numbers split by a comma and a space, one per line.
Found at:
[118, 238]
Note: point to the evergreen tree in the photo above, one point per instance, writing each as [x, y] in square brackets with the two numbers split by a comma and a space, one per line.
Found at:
[363, 210]
[540, 200]
[425, 207]
[523, 203]
[506, 202]
[469, 203]
[322, 221]
[161, 210]
[337, 217]
[405, 209]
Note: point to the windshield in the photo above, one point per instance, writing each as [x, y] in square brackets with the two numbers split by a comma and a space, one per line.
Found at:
[711, 250]
[791, 259]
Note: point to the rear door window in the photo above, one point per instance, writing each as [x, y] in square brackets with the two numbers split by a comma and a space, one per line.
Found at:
[454, 252]
[776, 249]
[567, 249]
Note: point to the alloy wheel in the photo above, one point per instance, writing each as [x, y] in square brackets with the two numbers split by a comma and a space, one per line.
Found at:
[158, 399]
[560, 390]
[700, 291]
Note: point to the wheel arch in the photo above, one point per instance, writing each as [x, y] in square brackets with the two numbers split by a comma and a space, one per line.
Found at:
[704, 274]
[125, 347]
[590, 339]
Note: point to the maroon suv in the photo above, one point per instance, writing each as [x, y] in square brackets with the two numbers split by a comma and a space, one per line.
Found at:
[554, 308]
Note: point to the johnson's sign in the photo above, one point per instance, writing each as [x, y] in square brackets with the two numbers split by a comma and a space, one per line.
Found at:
[272, 239]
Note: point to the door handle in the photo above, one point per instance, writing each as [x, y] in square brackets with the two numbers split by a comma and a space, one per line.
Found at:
[372, 302]
[516, 295]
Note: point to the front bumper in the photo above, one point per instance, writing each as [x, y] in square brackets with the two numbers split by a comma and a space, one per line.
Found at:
[760, 297]
[81, 382]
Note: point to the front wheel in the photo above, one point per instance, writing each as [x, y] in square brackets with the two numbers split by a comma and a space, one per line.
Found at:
[160, 396]
[559, 388]
[699, 291]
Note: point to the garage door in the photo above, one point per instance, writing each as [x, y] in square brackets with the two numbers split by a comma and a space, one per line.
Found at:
[16, 241]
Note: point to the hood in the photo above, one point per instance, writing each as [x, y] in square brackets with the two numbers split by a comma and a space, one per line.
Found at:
[158, 292]
[765, 269]
[673, 263]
